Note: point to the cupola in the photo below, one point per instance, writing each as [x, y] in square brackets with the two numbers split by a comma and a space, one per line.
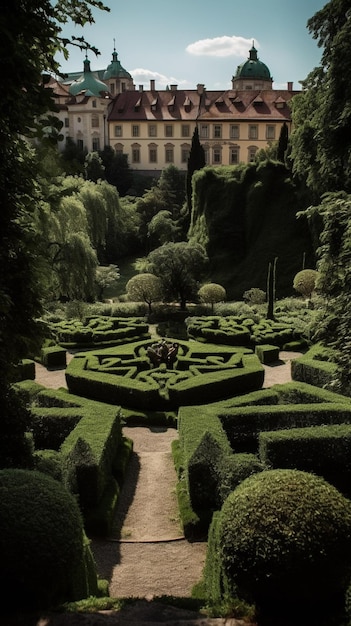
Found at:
[88, 83]
[252, 74]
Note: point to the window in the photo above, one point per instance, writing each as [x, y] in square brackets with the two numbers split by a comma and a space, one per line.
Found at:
[112, 88]
[80, 144]
[94, 104]
[234, 155]
[169, 130]
[118, 131]
[270, 132]
[152, 130]
[96, 144]
[153, 154]
[169, 157]
[66, 122]
[135, 130]
[217, 156]
[207, 155]
[253, 131]
[252, 153]
[234, 131]
[185, 151]
[95, 121]
[118, 149]
[136, 154]
[185, 130]
[123, 87]
[217, 131]
[204, 131]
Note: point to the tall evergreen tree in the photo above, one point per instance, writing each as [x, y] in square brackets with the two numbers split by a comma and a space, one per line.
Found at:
[283, 142]
[195, 162]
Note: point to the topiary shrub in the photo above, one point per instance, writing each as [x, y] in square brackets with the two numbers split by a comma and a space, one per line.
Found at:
[285, 541]
[45, 557]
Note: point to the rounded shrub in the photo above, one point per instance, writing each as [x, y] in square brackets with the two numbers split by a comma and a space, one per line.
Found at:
[285, 538]
[45, 559]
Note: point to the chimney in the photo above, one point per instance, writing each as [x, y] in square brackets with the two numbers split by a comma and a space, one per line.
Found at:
[174, 87]
[152, 85]
[200, 89]
[290, 86]
[141, 88]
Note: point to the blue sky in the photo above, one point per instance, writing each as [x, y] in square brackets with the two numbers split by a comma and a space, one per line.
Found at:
[197, 41]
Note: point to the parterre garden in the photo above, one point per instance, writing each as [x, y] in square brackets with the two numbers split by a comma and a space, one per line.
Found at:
[231, 432]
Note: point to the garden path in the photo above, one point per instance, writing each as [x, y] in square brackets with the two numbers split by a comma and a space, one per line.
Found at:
[146, 555]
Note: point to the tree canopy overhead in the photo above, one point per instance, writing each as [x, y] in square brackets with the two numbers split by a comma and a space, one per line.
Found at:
[321, 141]
[30, 38]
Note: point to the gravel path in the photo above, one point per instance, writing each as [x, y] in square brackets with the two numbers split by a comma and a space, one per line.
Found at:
[146, 554]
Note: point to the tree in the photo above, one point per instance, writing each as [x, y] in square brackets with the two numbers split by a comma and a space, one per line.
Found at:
[305, 282]
[93, 167]
[283, 142]
[321, 114]
[180, 266]
[29, 40]
[117, 171]
[212, 293]
[196, 161]
[145, 288]
[106, 275]
[162, 229]
[334, 281]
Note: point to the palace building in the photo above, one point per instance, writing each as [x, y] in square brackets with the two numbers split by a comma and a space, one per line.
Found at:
[154, 127]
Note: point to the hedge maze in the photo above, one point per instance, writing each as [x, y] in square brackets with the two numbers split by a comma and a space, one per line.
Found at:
[290, 426]
[124, 375]
[80, 443]
[239, 330]
[98, 330]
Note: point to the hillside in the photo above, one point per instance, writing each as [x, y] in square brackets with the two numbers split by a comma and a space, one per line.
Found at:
[245, 216]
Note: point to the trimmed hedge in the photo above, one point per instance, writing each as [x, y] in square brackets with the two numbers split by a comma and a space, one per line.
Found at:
[267, 353]
[316, 367]
[45, 557]
[99, 330]
[322, 450]
[244, 425]
[125, 376]
[284, 542]
[53, 356]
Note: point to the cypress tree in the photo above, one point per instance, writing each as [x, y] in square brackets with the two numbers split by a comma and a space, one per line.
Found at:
[196, 161]
[283, 142]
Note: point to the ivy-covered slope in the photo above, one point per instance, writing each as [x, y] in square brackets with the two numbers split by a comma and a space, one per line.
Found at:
[245, 216]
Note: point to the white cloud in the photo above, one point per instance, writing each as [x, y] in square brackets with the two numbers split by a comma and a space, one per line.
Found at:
[142, 76]
[222, 46]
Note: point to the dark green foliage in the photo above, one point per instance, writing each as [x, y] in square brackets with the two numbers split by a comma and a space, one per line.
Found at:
[98, 330]
[283, 143]
[267, 353]
[322, 450]
[316, 367]
[124, 375]
[44, 557]
[234, 469]
[48, 462]
[98, 521]
[271, 282]
[243, 425]
[196, 161]
[246, 216]
[50, 426]
[285, 541]
[53, 356]
[15, 446]
[26, 370]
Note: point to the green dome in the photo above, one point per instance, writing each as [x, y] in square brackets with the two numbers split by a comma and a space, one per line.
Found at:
[115, 69]
[253, 68]
[88, 83]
